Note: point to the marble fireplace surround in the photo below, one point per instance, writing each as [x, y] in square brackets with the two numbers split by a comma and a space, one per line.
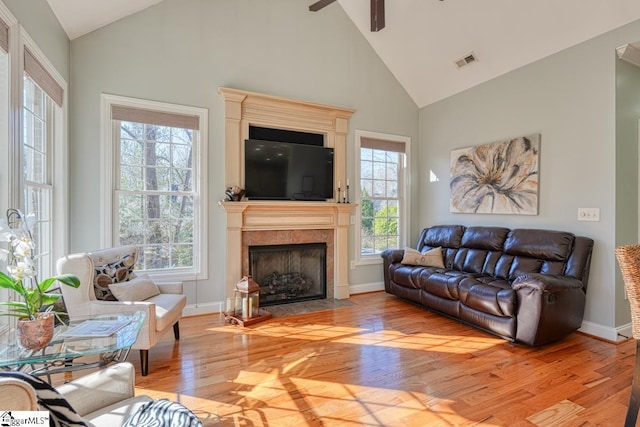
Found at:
[289, 237]
[284, 222]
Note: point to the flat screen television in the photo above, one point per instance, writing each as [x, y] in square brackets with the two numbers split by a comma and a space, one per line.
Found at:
[287, 171]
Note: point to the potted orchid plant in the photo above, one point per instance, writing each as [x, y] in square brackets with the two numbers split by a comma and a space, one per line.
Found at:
[34, 309]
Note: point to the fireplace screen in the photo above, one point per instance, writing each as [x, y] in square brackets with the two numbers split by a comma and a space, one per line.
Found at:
[289, 273]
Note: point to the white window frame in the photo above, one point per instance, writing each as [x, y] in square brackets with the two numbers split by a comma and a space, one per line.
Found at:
[8, 127]
[403, 186]
[109, 175]
[57, 145]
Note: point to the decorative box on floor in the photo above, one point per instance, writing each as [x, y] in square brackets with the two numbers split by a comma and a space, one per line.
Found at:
[244, 308]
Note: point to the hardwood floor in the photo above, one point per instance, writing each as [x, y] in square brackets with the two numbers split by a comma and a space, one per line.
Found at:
[385, 362]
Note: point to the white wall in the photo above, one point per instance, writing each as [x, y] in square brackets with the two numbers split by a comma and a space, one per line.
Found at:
[181, 51]
[570, 99]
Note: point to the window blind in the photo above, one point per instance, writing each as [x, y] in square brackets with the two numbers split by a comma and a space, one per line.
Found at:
[39, 74]
[160, 118]
[382, 144]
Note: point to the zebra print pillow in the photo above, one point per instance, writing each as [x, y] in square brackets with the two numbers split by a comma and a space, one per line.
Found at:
[163, 412]
[61, 414]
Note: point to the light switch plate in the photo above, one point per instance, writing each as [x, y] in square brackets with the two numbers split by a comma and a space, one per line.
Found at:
[588, 214]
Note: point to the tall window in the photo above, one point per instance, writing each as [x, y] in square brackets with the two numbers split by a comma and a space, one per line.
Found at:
[382, 225]
[42, 98]
[157, 185]
[6, 161]
[37, 157]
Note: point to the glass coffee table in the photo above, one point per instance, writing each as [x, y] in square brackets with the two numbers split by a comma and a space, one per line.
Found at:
[108, 336]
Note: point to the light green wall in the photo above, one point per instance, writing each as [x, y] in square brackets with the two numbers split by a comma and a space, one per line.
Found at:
[570, 99]
[37, 18]
[181, 51]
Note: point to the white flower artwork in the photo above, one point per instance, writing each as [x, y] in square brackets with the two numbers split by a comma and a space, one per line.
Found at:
[498, 178]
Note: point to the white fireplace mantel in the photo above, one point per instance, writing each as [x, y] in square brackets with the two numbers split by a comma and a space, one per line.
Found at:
[243, 109]
[270, 216]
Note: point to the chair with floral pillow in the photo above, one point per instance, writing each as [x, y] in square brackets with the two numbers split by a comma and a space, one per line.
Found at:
[109, 286]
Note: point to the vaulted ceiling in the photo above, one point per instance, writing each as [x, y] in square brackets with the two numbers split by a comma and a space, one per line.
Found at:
[423, 39]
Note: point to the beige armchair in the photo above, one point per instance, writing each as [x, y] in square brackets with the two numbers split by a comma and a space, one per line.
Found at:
[104, 398]
[162, 311]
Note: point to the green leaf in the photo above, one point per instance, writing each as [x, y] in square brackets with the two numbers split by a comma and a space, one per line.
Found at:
[69, 280]
[16, 309]
[50, 298]
[6, 281]
[14, 304]
[66, 279]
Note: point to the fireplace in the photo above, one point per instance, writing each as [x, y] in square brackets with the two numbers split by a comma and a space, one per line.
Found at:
[289, 273]
[254, 223]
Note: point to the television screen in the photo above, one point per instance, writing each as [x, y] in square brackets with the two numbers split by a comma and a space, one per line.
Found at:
[287, 171]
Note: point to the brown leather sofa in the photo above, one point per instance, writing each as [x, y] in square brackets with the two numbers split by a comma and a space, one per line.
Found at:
[524, 285]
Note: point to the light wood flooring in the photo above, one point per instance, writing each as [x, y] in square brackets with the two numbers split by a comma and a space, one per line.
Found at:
[385, 362]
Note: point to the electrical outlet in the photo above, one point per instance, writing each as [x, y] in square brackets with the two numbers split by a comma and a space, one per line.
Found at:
[588, 214]
[352, 265]
[352, 219]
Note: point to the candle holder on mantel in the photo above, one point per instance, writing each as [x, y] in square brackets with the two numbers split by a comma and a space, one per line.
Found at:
[244, 308]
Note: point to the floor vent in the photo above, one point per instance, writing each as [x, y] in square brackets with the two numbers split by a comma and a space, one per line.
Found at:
[468, 59]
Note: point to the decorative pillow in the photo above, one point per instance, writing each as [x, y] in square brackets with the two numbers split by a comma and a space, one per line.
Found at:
[115, 272]
[61, 413]
[163, 412]
[138, 289]
[431, 258]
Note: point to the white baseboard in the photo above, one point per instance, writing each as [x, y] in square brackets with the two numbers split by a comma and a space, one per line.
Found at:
[366, 287]
[608, 333]
[207, 308]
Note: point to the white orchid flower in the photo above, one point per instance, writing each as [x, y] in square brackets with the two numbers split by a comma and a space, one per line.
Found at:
[30, 220]
[4, 255]
[22, 248]
[21, 270]
[6, 234]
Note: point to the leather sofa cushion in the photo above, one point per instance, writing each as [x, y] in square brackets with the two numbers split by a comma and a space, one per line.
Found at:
[446, 236]
[488, 295]
[407, 276]
[489, 238]
[476, 260]
[541, 244]
[443, 284]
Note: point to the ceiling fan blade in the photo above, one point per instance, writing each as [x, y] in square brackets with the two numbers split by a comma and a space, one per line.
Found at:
[320, 4]
[377, 15]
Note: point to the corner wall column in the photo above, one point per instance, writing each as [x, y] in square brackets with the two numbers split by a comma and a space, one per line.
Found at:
[232, 134]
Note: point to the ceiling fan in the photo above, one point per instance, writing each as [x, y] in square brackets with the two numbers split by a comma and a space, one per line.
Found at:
[377, 12]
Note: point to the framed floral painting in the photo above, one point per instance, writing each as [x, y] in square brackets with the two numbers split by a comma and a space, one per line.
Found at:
[499, 178]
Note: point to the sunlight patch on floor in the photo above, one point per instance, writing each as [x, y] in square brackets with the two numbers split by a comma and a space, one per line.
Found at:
[454, 344]
[309, 332]
[422, 341]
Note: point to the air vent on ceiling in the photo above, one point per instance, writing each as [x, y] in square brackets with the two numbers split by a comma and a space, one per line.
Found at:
[466, 60]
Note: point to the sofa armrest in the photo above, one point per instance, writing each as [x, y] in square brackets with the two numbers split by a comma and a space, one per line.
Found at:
[100, 389]
[389, 256]
[169, 287]
[392, 255]
[546, 282]
[550, 307]
[17, 395]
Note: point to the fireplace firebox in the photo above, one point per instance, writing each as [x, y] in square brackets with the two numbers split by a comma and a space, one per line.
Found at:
[289, 273]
